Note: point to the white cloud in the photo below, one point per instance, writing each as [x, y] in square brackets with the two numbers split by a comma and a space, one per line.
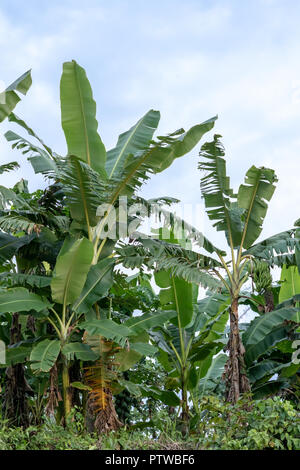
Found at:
[190, 62]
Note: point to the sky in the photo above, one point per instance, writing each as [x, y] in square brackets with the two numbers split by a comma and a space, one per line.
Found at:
[191, 60]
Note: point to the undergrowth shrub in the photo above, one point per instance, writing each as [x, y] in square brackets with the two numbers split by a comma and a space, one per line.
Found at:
[272, 423]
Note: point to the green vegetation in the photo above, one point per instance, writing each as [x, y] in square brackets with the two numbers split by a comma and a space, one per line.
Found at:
[99, 358]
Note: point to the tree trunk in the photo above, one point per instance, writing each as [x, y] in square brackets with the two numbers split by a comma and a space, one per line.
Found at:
[185, 416]
[66, 390]
[107, 419]
[234, 374]
[16, 386]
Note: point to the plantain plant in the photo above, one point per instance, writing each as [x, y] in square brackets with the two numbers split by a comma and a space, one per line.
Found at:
[240, 216]
[90, 177]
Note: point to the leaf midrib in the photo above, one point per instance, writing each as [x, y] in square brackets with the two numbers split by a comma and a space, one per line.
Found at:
[134, 130]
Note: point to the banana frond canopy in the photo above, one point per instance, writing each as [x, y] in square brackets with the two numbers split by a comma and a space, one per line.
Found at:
[160, 255]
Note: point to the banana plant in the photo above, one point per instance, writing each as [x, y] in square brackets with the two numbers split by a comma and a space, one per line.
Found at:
[31, 231]
[194, 335]
[240, 216]
[92, 177]
[9, 98]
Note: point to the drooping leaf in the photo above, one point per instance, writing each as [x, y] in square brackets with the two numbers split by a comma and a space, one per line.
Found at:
[9, 98]
[21, 300]
[9, 245]
[262, 369]
[81, 351]
[20, 279]
[11, 166]
[107, 328]
[44, 355]
[278, 249]
[17, 355]
[263, 325]
[144, 348]
[275, 336]
[148, 320]
[83, 189]
[40, 159]
[17, 120]
[185, 264]
[18, 223]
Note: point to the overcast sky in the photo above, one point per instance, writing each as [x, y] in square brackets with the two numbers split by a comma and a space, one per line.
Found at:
[191, 60]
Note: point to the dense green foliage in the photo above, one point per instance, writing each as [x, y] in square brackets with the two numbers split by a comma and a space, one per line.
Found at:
[91, 348]
[270, 424]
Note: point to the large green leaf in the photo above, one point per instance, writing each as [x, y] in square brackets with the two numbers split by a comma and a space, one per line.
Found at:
[40, 159]
[148, 320]
[211, 305]
[137, 138]
[11, 166]
[71, 269]
[126, 358]
[216, 191]
[253, 197]
[290, 288]
[10, 98]
[21, 300]
[83, 352]
[178, 296]
[83, 189]
[144, 348]
[99, 280]
[17, 355]
[9, 245]
[159, 156]
[17, 120]
[44, 355]
[107, 328]
[184, 143]
[278, 249]
[262, 369]
[254, 351]
[19, 279]
[185, 264]
[263, 325]
[269, 389]
[213, 375]
[78, 114]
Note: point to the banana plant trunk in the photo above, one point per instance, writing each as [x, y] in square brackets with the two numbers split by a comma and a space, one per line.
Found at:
[185, 417]
[16, 386]
[66, 390]
[107, 419]
[237, 381]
